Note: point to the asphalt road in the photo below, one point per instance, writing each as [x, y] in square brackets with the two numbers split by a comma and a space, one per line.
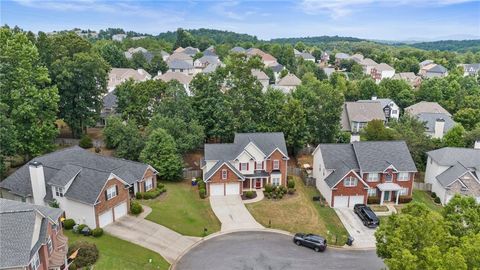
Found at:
[271, 251]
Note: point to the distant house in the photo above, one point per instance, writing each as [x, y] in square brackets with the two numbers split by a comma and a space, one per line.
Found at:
[181, 77]
[425, 63]
[277, 69]
[453, 171]
[341, 56]
[390, 108]
[262, 78]
[180, 56]
[237, 50]
[358, 58]
[433, 71]
[349, 174]
[305, 56]
[382, 71]
[211, 68]
[204, 61]
[164, 55]
[31, 237]
[148, 56]
[181, 66]
[409, 77]
[190, 51]
[471, 69]
[267, 59]
[288, 83]
[438, 121]
[325, 58]
[356, 115]
[120, 75]
[109, 107]
[296, 52]
[210, 51]
[119, 37]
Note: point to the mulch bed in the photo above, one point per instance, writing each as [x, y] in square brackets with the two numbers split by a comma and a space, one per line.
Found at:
[245, 197]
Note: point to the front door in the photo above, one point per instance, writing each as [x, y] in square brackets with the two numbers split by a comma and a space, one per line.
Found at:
[386, 197]
[258, 183]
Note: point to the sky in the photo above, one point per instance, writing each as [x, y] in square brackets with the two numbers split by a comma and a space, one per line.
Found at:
[371, 19]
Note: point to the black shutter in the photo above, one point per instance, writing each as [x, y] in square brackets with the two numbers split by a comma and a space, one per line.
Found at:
[106, 197]
[144, 185]
[116, 189]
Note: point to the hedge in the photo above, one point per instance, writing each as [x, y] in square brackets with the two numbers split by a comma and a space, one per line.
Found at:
[151, 194]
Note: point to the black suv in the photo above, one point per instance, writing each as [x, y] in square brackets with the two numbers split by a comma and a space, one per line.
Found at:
[367, 216]
[316, 242]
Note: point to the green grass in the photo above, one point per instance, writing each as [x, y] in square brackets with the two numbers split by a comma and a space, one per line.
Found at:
[425, 198]
[182, 210]
[116, 253]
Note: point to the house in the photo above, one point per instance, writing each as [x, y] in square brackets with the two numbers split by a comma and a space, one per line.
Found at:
[382, 71]
[390, 108]
[210, 51]
[92, 189]
[438, 121]
[288, 83]
[409, 77]
[367, 65]
[296, 53]
[262, 78]
[31, 237]
[325, 58]
[117, 76]
[453, 171]
[204, 61]
[277, 69]
[471, 69]
[252, 161]
[190, 51]
[339, 57]
[211, 68]
[164, 55]
[306, 56]
[119, 37]
[182, 78]
[267, 59]
[348, 174]
[181, 66]
[356, 115]
[180, 56]
[328, 71]
[130, 52]
[433, 71]
[425, 63]
[237, 50]
[109, 107]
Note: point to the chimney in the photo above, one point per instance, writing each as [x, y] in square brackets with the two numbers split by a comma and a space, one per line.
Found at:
[159, 73]
[37, 178]
[140, 71]
[439, 127]
[374, 97]
[477, 144]
[355, 137]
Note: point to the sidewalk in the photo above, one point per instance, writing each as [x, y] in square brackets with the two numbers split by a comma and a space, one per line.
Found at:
[259, 197]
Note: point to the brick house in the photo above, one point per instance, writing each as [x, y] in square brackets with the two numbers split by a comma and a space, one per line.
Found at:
[90, 188]
[347, 174]
[31, 237]
[252, 161]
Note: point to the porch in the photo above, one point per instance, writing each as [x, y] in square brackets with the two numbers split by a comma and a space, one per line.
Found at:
[389, 191]
[253, 183]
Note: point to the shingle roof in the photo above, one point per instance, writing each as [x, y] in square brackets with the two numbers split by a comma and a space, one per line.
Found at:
[218, 165]
[451, 174]
[361, 112]
[190, 51]
[179, 56]
[179, 76]
[426, 107]
[342, 56]
[383, 101]
[277, 68]
[212, 59]
[179, 64]
[110, 100]
[449, 156]
[437, 69]
[383, 67]
[430, 118]
[210, 68]
[368, 62]
[260, 75]
[64, 175]
[307, 56]
[340, 158]
[238, 50]
[87, 185]
[290, 80]
[376, 156]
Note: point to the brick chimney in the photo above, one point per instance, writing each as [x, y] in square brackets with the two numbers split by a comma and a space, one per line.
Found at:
[439, 128]
[37, 178]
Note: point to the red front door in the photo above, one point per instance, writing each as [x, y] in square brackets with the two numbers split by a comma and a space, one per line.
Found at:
[258, 183]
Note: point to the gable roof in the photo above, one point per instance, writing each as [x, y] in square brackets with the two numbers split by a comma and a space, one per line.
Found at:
[453, 173]
[449, 156]
[179, 64]
[426, 107]
[260, 75]
[88, 183]
[119, 75]
[179, 76]
[437, 69]
[342, 56]
[384, 67]
[237, 50]
[364, 111]
[110, 100]
[376, 156]
[383, 101]
[307, 56]
[290, 80]
[179, 56]
[430, 118]
[218, 165]
[190, 51]
[277, 68]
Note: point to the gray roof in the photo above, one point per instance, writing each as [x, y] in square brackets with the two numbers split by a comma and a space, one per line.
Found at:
[110, 100]
[452, 174]
[210, 68]
[425, 107]
[17, 228]
[277, 68]
[342, 56]
[449, 156]
[362, 112]
[437, 69]
[179, 64]
[307, 56]
[376, 156]
[430, 118]
[340, 158]
[88, 183]
[212, 59]
[64, 175]
[218, 165]
[238, 49]
[383, 101]
[190, 51]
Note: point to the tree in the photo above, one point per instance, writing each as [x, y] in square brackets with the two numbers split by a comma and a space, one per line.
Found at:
[293, 124]
[139, 61]
[367, 88]
[455, 137]
[468, 117]
[81, 80]
[407, 64]
[392, 88]
[184, 39]
[111, 53]
[124, 137]
[275, 101]
[56, 47]
[27, 104]
[375, 130]
[431, 90]
[161, 152]
[462, 215]
[157, 64]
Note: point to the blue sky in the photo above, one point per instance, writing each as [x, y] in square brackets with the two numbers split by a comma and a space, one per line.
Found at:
[373, 19]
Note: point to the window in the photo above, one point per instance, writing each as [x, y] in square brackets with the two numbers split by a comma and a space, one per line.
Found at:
[111, 192]
[243, 166]
[320, 167]
[35, 264]
[59, 191]
[276, 164]
[403, 192]
[148, 184]
[372, 192]
[224, 174]
[394, 111]
[403, 176]
[49, 245]
[350, 182]
[276, 181]
[372, 177]
[388, 177]
[259, 165]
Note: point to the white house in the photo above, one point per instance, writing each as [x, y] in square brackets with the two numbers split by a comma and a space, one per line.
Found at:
[390, 108]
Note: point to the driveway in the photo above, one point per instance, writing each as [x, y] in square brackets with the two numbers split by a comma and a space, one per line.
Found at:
[271, 251]
[363, 236]
[153, 236]
[232, 213]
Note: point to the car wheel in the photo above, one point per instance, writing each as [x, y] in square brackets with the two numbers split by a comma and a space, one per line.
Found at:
[317, 249]
[298, 243]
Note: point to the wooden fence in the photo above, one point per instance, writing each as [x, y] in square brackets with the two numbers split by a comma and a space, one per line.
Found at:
[302, 173]
[422, 186]
[189, 174]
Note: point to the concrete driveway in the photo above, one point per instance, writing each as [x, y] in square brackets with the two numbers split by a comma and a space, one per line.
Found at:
[232, 213]
[153, 236]
[364, 237]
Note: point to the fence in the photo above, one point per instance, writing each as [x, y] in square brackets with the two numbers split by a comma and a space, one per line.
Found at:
[422, 186]
[302, 173]
[189, 174]
[66, 141]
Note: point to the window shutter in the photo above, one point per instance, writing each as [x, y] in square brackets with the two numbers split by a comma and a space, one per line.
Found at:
[247, 165]
[262, 164]
[116, 189]
[144, 185]
[106, 196]
[255, 165]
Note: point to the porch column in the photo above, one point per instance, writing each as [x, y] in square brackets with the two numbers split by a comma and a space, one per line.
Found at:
[381, 198]
[398, 195]
[251, 187]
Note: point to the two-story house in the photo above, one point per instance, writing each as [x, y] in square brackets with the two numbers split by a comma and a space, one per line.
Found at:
[390, 108]
[31, 237]
[90, 188]
[348, 174]
[356, 115]
[252, 161]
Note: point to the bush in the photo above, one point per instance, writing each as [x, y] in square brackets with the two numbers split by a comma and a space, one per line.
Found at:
[291, 183]
[291, 191]
[433, 195]
[403, 199]
[68, 224]
[268, 188]
[289, 177]
[97, 232]
[203, 193]
[373, 200]
[97, 150]
[80, 227]
[201, 184]
[135, 208]
[151, 194]
[85, 142]
[249, 194]
[437, 200]
[87, 254]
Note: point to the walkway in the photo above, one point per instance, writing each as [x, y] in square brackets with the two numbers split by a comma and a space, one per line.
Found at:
[363, 237]
[153, 236]
[232, 213]
[259, 197]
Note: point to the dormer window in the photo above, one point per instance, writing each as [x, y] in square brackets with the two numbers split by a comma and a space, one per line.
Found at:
[243, 166]
[259, 165]
[224, 174]
[59, 191]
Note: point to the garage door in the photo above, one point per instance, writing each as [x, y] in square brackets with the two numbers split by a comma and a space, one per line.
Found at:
[355, 199]
[105, 218]
[232, 189]
[120, 210]
[216, 190]
[340, 201]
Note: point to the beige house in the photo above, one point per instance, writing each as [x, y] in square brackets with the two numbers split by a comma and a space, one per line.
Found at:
[120, 75]
[409, 77]
[182, 78]
[288, 83]
[262, 78]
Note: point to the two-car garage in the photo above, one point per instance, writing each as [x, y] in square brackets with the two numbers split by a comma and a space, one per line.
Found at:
[221, 189]
[107, 216]
[347, 201]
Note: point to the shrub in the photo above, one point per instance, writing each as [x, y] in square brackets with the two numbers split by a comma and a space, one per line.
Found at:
[68, 224]
[374, 200]
[268, 188]
[97, 232]
[433, 195]
[289, 177]
[87, 254]
[97, 150]
[403, 199]
[85, 142]
[139, 195]
[135, 208]
[291, 183]
[151, 194]
[201, 184]
[80, 227]
[291, 191]
[437, 200]
[280, 196]
[249, 194]
[203, 193]
[160, 186]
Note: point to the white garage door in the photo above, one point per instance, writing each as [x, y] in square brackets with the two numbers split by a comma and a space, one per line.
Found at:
[105, 218]
[120, 210]
[216, 190]
[232, 189]
[340, 201]
[355, 199]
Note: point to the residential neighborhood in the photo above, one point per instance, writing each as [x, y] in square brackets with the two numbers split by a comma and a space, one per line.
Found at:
[283, 136]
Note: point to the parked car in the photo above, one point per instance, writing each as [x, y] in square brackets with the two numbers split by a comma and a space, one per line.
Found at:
[316, 242]
[367, 216]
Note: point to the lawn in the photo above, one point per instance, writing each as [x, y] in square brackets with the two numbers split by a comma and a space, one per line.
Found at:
[119, 254]
[298, 213]
[422, 197]
[182, 210]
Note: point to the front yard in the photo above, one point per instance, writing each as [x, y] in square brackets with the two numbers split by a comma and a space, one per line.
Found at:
[182, 210]
[115, 253]
[424, 197]
[298, 213]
